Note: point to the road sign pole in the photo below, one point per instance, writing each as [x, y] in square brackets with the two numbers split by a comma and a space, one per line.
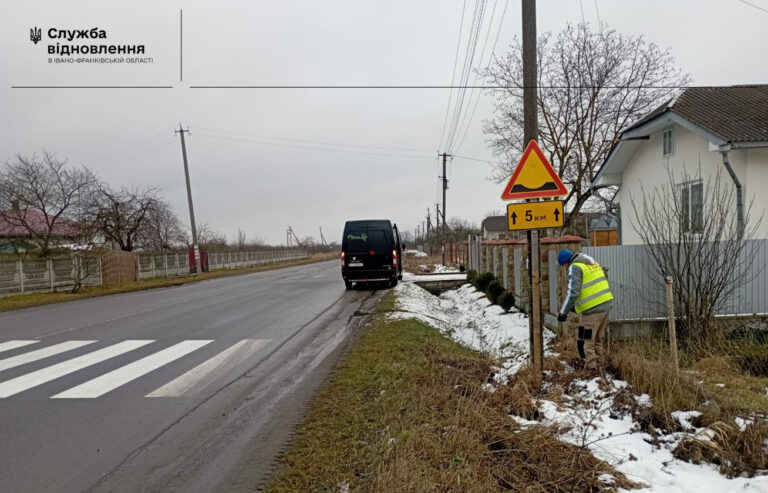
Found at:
[530, 133]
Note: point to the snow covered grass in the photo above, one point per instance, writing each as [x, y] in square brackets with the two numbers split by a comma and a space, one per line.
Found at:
[644, 431]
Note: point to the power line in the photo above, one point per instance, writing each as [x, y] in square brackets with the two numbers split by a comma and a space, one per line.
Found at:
[409, 156]
[453, 75]
[753, 5]
[388, 148]
[477, 73]
[469, 56]
[490, 60]
[126, 150]
[419, 87]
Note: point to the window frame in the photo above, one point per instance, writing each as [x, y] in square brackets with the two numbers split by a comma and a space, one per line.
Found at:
[668, 140]
[687, 205]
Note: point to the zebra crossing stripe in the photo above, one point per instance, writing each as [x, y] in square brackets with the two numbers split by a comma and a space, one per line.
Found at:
[7, 346]
[41, 354]
[201, 375]
[114, 379]
[39, 377]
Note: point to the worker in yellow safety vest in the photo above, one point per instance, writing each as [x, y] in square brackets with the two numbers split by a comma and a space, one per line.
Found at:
[588, 295]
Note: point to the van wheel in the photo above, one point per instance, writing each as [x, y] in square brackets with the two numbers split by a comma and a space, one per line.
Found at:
[348, 285]
[393, 283]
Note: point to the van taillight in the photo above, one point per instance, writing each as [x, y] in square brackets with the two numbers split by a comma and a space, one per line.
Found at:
[342, 259]
[394, 258]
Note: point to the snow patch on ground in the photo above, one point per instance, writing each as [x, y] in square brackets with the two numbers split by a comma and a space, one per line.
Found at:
[587, 416]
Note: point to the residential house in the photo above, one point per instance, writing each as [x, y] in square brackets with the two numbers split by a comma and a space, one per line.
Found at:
[16, 238]
[702, 130]
[495, 228]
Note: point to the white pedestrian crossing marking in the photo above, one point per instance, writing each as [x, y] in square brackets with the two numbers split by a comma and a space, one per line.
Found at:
[7, 346]
[202, 375]
[39, 377]
[41, 354]
[114, 379]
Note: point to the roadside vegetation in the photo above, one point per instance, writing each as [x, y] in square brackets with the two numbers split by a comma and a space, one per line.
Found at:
[29, 300]
[406, 410]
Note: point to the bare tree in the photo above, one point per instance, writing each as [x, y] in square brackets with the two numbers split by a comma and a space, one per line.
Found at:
[123, 215]
[207, 238]
[592, 84]
[691, 230]
[162, 230]
[241, 240]
[42, 197]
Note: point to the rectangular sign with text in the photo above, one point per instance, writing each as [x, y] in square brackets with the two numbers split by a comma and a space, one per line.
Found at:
[535, 215]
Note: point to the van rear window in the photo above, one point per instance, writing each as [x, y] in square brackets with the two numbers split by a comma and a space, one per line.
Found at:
[374, 239]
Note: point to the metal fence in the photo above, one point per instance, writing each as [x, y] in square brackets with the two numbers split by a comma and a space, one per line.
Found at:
[639, 291]
[58, 274]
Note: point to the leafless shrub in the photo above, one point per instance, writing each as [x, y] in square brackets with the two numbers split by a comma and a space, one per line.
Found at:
[701, 247]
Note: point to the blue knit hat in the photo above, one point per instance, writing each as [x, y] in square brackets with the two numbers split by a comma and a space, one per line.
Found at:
[564, 256]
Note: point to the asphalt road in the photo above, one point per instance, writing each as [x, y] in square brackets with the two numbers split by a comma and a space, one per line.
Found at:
[191, 388]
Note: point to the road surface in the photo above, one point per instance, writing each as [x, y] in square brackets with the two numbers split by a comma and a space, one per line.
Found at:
[191, 388]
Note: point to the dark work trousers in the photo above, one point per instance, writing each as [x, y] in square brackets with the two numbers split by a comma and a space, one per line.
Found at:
[590, 339]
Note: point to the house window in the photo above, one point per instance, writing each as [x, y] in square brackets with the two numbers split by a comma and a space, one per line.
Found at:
[668, 146]
[692, 207]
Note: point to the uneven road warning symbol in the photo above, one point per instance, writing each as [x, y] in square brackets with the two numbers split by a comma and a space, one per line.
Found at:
[533, 178]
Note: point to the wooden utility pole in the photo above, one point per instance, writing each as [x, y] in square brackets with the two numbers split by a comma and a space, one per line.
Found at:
[531, 132]
[445, 187]
[195, 247]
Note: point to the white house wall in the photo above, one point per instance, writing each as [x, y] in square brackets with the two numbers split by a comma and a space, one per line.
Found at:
[757, 188]
[647, 168]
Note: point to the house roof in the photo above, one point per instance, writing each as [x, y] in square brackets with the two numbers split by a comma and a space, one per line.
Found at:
[734, 116]
[495, 223]
[737, 114]
[36, 220]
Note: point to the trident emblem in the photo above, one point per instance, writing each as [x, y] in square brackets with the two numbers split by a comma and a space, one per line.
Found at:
[35, 35]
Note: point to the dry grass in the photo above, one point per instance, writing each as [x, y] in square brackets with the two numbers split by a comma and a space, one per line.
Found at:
[716, 385]
[17, 302]
[422, 265]
[406, 412]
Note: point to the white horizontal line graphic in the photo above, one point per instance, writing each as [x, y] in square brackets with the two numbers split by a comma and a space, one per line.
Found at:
[39, 377]
[201, 375]
[114, 379]
[7, 346]
[41, 354]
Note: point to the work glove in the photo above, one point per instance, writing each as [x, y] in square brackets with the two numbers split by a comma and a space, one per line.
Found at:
[561, 317]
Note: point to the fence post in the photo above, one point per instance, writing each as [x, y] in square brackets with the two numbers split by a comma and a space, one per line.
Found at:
[20, 270]
[101, 272]
[49, 268]
[671, 321]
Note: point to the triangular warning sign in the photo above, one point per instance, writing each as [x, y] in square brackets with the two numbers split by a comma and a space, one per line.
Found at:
[534, 177]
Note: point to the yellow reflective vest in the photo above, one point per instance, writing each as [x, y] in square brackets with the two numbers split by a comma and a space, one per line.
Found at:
[594, 287]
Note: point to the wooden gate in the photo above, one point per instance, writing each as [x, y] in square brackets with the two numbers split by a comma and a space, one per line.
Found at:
[119, 267]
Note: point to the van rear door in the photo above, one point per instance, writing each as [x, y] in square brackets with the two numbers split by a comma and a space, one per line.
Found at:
[368, 249]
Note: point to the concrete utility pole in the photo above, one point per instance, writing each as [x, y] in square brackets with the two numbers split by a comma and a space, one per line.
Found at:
[195, 247]
[445, 187]
[429, 222]
[437, 218]
[531, 132]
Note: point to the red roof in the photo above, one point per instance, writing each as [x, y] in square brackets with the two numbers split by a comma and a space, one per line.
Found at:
[36, 220]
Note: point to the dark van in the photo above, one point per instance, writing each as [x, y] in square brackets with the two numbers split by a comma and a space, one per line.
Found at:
[371, 252]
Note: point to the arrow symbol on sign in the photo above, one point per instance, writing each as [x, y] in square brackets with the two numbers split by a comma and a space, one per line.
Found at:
[557, 214]
[514, 218]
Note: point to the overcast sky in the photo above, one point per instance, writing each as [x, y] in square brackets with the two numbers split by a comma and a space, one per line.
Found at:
[259, 158]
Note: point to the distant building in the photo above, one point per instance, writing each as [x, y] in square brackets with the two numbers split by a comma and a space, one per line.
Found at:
[495, 228]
